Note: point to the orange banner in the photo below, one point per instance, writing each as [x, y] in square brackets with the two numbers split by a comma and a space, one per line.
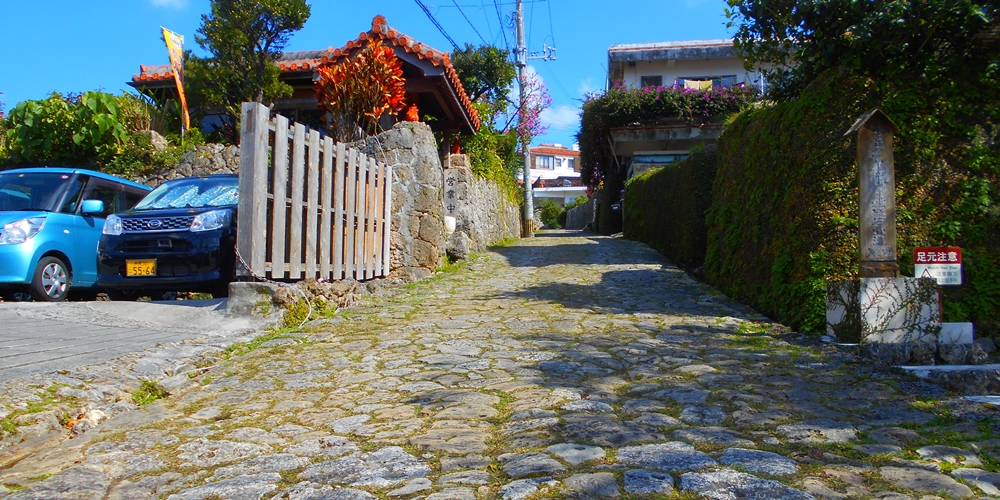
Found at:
[175, 45]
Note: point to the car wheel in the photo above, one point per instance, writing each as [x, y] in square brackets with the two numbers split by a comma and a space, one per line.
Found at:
[51, 280]
[122, 295]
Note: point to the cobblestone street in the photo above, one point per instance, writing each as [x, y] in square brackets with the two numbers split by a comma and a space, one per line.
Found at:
[565, 366]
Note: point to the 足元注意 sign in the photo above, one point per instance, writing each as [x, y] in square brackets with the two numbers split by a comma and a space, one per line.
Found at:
[944, 264]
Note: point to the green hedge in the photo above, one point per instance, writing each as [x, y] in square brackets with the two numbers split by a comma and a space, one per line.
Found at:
[665, 207]
[785, 200]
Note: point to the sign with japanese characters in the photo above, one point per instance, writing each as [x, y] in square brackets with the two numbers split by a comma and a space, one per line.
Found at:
[944, 264]
[454, 192]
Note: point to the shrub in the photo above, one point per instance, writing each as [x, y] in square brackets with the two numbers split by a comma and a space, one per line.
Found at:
[549, 213]
[665, 207]
[491, 156]
[784, 216]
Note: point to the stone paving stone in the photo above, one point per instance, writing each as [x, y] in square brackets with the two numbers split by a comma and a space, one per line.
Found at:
[250, 487]
[386, 467]
[703, 415]
[674, 456]
[732, 485]
[949, 454]
[984, 480]
[597, 485]
[920, 479]
[759, 462]
[819, 431]
[518, 465]
[575, 454]
[718, 436]
[646, 482]
[523, 488]
[205, 453]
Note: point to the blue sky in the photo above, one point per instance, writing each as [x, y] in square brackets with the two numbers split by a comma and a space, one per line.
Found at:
[73, 46]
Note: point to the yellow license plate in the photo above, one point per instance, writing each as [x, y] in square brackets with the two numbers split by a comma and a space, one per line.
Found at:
[140, 268]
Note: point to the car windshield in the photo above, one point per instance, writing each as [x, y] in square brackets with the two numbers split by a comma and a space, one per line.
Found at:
[192, 193]
[31, 191]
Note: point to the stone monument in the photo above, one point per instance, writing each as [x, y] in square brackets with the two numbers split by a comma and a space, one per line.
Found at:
[880, 306]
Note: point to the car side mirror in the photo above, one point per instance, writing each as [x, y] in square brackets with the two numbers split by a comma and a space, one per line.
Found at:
[91, 207]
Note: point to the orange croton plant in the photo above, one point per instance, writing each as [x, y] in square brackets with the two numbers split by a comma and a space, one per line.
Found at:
[358, 90]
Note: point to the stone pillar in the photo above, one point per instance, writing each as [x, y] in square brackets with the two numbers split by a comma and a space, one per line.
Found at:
[457, 176]
[877, 182]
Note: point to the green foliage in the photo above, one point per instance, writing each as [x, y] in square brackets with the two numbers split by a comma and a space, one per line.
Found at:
[621, 106]
[665, 207]
[492, 156]
[245, 38]
[937, 41]
[549, 213]
[487, 75]
[784, 222]
[148, 392]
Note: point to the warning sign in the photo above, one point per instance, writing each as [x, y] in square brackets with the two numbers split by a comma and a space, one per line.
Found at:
[944, 264]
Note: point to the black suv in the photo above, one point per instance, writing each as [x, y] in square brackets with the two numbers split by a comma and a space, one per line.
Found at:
[180, 237]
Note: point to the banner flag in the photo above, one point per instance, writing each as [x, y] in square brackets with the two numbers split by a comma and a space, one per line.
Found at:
[175, 45]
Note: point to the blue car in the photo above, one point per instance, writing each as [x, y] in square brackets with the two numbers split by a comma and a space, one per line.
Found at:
[50, 222]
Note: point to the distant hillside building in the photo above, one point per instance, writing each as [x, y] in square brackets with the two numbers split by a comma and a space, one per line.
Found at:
[555, 173]
[694, 64]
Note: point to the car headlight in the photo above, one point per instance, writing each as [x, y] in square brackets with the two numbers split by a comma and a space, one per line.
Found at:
[112, 225]
[211, 220]
[20, 231]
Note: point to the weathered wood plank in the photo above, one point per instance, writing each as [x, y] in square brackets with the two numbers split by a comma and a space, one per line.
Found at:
[340, 192]
[251, 239]
[377, 222]
[387, 222]
[359, 249]
[351, 205]
[326, 187]
[297, 192]
[312, 205]
[371, 224]
[279, 210]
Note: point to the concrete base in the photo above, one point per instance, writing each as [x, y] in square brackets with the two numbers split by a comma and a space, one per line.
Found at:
[883, 310]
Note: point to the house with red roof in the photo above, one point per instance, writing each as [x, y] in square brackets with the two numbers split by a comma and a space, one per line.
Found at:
[555, 173]
[431, 81]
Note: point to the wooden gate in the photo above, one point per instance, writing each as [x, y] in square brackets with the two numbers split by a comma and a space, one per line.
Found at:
[309, 208]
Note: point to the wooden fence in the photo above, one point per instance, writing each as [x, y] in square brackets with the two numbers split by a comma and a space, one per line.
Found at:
[309, 208]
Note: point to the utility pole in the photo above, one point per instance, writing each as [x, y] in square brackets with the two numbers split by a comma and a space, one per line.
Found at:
[521, 53]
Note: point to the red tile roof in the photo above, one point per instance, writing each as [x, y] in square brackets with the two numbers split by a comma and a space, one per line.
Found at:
[551, 150]
[308, 60]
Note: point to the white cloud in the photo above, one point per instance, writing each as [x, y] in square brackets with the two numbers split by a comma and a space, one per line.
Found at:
[561, 117]
[170, 4]
[587, 86]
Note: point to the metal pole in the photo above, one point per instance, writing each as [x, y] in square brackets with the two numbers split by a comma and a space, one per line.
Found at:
[527, 230]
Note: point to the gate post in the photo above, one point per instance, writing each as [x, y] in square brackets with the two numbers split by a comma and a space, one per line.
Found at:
[251, 239]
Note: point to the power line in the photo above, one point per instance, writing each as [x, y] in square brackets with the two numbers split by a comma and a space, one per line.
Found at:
[496, 3]
[487, 17]
[551, 31]
[437, 24]
[468, 21]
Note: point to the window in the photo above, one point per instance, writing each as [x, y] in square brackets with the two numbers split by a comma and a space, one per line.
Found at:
[572, 164]
[717, 81]
[106, 191]
[651, 81]
[543, 162]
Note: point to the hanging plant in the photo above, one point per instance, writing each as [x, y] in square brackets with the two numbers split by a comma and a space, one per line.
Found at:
[359, 90]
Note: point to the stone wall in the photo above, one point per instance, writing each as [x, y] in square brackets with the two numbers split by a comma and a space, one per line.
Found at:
[418, 240]
[483, 213]
[579, 217]
[207, 159]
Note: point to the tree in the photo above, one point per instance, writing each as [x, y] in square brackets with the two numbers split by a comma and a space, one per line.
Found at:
[359, 90]
[486, 74]
[245, 38]
[529, 114]
[929, 40]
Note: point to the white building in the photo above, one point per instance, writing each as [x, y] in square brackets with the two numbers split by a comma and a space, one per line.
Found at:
[699, 64]
[555, 173]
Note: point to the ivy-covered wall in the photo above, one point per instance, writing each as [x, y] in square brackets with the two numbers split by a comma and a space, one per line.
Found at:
[784, 216]
[665, 207]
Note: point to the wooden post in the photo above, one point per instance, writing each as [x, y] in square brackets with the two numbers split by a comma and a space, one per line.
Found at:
[298, 189]
[279, 212]
[312, 204]
[386, 220]
[876, 176]
[326, 230]
[251, 239]
[340, 191]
